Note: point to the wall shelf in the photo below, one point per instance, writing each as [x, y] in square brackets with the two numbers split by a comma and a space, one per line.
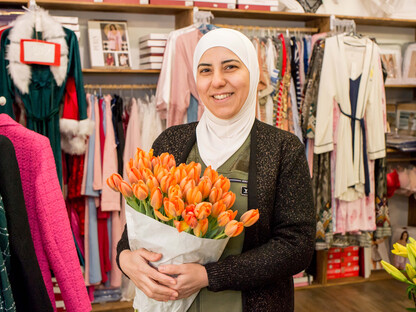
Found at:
[400, 86]
[114, 71]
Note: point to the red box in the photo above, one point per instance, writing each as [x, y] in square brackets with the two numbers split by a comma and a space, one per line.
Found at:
[334, 273]
[206, 4]
[334, 260]
[332, 266]
[350, 271]
[334, 250]
[350, 251]
[350, 261]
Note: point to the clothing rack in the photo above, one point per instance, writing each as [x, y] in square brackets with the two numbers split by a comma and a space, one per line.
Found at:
[120, 86]
[274, 29]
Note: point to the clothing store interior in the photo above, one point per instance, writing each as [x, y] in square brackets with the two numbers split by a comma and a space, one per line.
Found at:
[208, 117]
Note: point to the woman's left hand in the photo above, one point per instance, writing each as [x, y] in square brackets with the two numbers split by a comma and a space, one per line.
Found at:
[191, 277]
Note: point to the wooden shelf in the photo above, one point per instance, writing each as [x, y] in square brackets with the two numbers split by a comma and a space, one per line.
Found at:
[114, 71]
[284, 16]
[117, 306]
[112, 7]
[380, 21]
[400, 86]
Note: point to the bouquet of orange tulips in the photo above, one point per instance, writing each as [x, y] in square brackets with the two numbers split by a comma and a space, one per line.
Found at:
[175, 211]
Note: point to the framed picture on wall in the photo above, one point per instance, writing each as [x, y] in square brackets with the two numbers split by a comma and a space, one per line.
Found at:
[391, 56]
[409, 64]
[109, 44]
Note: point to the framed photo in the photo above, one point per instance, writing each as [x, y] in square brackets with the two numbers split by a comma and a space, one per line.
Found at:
[406, 118]
[391, 56]
[109, 44]
[409, 64]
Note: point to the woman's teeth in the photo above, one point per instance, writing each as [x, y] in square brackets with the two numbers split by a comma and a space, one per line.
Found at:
[222, 96]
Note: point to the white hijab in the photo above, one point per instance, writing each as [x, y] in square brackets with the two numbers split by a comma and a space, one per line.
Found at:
[218, 139]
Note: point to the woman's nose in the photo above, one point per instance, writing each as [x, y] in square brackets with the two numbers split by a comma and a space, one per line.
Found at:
[218, 79]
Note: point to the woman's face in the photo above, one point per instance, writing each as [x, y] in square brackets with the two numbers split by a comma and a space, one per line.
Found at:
[223, 82]
[112, 27]
[405, 236]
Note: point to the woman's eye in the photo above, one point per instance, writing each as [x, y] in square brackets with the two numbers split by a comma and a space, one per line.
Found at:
[204, 70]
[231, 66]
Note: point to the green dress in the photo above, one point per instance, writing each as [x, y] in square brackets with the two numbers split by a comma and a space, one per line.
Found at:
[235, 169]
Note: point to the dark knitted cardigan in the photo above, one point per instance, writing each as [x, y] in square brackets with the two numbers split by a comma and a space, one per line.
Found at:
[281, 243]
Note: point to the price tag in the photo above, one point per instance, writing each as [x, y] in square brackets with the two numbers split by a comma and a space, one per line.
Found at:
[41, 52]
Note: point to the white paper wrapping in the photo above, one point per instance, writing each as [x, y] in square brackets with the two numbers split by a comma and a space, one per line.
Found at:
[176, 248]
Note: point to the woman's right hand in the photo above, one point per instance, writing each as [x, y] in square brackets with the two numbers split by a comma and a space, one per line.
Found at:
[155, 285]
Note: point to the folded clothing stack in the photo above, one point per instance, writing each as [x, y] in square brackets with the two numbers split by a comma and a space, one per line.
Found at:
[152, 47]
[70, 22]
[107, 295]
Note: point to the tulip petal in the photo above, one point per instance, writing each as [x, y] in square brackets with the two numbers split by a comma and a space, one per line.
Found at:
[160, 216]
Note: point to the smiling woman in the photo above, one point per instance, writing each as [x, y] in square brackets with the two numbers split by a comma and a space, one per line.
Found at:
[267, 169]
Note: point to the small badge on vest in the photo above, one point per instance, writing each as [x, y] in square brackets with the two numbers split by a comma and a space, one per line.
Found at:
[244, 191]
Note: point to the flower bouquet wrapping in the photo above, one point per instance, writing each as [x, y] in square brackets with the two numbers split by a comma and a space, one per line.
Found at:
[174, 211]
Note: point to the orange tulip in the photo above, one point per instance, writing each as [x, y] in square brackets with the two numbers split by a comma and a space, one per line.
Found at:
[188, 209]
[167, 181]
[250, 217]
[140, 190]
[167, 160]
[156, 198]
[160, 216]
[129, 165]
[173, 207]
[160, 172]
[201, 228]
[203, 210]
[226, 216]
[178, 172]
[223, 183]
[187, 184]
[211, 174]
[194, 196]
[132, 177]
[190, 219]
[111, 185]
[114, 182]
[146, 173]
[126, 189]
[152, 183]
[155, 161]
[217, 208]
[229, 199]
[233, 228]
[181, 225]
[174, 190]
[144, 163]
[215, 195]
[205, 185]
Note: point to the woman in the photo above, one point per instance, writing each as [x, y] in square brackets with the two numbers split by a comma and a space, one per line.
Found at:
[268, 171]
[114, 38]
[400, 262]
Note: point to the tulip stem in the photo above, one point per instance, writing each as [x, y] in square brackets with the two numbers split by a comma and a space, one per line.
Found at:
[220, 236]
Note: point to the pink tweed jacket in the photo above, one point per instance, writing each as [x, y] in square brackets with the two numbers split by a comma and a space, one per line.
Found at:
[48, 219]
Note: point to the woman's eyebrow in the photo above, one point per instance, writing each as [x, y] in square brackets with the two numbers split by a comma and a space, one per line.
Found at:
[230, 60]
[204, 64]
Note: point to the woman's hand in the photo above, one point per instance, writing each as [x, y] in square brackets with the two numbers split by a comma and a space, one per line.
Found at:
[155, 285]
[191, 277]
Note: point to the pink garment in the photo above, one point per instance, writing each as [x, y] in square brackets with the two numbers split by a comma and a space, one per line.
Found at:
[114, 40]
[310, 155]
[48, 218]
[86, 245]
[98, 178]
[183, 82]
[404, 179]
[84, 177]
[116, 231]
[132, 142]
[110, 200]
[353, 216]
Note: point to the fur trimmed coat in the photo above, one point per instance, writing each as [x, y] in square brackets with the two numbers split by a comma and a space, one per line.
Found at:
[41, 88]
